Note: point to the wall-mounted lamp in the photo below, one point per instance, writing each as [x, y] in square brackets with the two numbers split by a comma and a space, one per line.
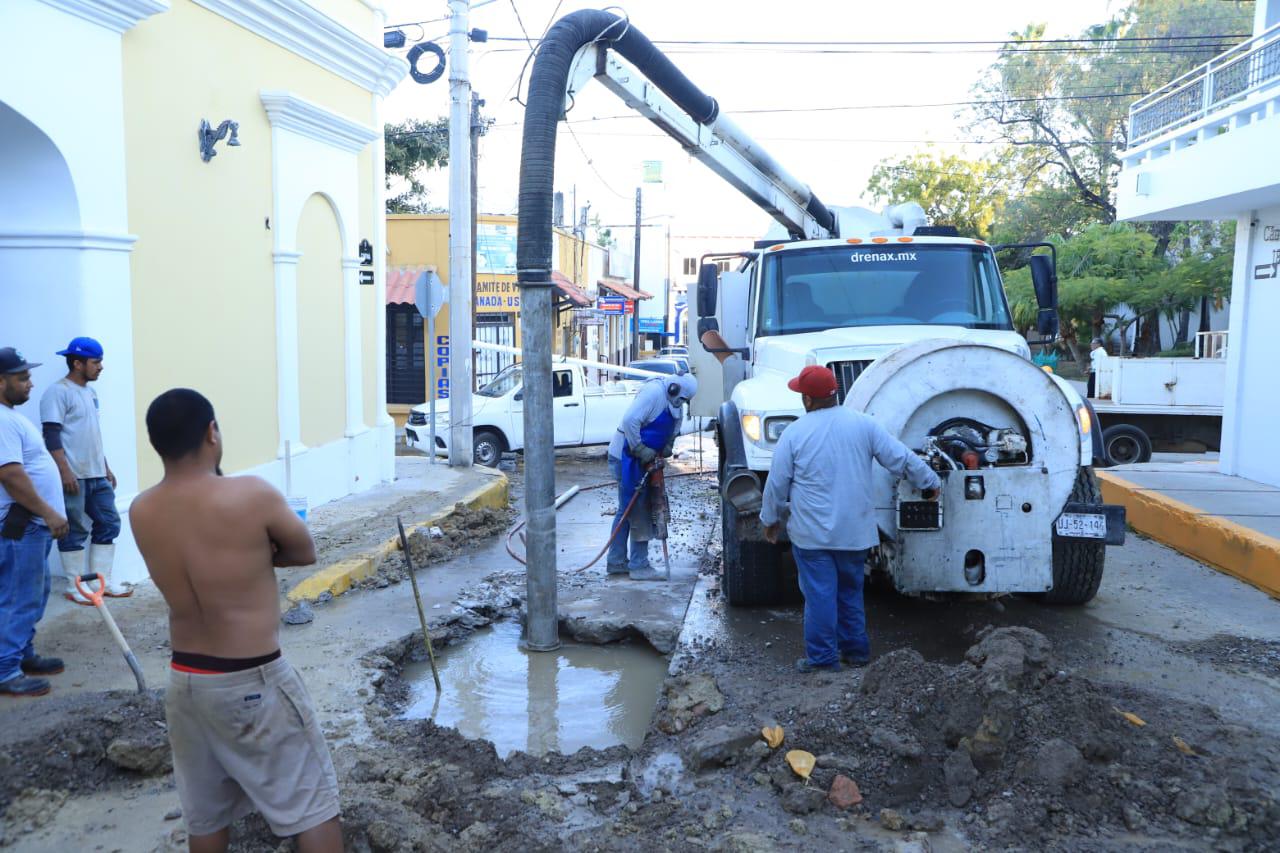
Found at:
[210, 136]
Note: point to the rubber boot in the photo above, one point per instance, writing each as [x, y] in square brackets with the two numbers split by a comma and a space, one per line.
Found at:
[74, 564]
[101, 560]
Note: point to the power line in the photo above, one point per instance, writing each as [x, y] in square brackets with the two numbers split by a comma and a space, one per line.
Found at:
[520, 21]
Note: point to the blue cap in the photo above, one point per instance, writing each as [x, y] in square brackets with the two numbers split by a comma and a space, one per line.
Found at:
[83, 348]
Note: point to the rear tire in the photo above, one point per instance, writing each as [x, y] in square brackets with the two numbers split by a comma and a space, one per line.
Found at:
[753, 571]
[487, 448]
[1078, 563]
[1126, 444]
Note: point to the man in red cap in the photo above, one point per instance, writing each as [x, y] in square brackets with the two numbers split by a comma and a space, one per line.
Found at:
[821, 473]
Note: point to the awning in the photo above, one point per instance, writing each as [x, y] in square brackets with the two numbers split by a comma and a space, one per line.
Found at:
[401, 283]
[576, 294]
[624, 289]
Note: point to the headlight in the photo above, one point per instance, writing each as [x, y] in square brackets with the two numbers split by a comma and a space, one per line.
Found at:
[417, 419]
[751, 427]
[773, 427]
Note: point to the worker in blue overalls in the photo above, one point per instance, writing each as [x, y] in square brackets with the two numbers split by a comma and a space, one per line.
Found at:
[648, 431]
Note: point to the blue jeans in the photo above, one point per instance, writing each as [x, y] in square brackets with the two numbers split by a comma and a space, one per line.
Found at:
[95, 503]
[834, 621]
[24, 590]
[618, 548]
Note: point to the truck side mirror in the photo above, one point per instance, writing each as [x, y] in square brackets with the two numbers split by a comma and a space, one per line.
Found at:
[708, 288]
[1044, 280]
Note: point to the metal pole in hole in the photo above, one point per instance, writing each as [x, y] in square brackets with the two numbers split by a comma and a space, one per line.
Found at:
[417, 598]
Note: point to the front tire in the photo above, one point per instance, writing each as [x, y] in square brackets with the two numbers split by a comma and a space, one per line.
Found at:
[1078, 563]
[753, 571]
[487, 448]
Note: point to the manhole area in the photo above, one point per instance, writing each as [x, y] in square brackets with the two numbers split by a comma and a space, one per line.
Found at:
[539, 702]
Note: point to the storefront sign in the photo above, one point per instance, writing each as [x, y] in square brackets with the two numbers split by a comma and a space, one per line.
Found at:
[496, 248]
[588, 317]
[497, 295]
[654, 325]
[612, 305]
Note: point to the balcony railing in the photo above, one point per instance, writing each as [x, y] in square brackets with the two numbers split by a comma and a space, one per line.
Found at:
[1232, 76]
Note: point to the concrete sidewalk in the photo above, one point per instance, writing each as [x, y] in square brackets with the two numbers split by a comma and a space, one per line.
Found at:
[1231, 523]
[354, 534]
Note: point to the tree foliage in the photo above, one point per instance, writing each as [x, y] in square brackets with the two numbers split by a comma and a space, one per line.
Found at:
[953, 191]
[413, 147]
[1064, 113]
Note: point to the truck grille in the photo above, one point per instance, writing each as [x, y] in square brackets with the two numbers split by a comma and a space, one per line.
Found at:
[846, 373]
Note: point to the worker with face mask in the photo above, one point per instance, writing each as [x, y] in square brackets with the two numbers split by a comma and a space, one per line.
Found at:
[648, 432]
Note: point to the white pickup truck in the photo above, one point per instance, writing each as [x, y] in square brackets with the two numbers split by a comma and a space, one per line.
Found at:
[585, 413]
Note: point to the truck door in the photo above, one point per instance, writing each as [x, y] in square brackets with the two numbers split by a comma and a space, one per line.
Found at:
[718, 339]
[567, 408]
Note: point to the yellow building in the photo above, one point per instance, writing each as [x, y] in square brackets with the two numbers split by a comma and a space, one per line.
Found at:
[420, 243]
[230, 264]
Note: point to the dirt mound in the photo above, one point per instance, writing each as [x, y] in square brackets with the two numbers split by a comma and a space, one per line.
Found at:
[80, 743]
[1033, 754]
[461, 531]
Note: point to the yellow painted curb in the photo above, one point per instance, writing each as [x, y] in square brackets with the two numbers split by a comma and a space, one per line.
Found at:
[1227, 546]
[339, 577]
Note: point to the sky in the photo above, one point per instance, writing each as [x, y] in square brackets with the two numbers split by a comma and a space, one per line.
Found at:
[833, 150]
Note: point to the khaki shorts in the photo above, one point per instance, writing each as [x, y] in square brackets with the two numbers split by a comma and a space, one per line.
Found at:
[245, 741]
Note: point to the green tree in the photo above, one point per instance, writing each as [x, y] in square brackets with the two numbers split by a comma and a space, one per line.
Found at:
[1064, 112]
[413, 147]
[952, 190]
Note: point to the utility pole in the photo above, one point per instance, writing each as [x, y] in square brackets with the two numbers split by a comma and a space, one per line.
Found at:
[477, 128]
[460, 237]
[635, 317]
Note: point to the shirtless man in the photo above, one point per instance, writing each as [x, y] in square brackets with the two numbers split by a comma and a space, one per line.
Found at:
[241, 724]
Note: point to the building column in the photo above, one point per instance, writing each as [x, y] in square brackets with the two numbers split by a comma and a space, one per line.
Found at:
[1232, 398]
[353, 335]
[288, 393]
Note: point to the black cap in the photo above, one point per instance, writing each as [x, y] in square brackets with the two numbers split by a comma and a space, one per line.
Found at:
[12, 361]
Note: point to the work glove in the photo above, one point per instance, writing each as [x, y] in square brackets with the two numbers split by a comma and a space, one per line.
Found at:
[645, 454]
[669, 449]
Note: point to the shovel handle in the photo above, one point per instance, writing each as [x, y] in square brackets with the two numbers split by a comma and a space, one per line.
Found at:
[94, 595]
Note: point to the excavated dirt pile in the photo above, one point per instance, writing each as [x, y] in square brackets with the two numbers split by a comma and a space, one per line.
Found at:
[1017, 752]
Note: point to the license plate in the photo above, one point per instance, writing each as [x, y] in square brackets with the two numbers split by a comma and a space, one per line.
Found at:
[1079, 525]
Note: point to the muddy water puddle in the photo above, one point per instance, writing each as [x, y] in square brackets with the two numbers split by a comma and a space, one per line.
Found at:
[539, 702]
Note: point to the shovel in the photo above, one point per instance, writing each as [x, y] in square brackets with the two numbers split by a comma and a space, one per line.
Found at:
[95, 596]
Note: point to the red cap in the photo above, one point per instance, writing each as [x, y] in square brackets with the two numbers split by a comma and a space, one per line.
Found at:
[814, 381]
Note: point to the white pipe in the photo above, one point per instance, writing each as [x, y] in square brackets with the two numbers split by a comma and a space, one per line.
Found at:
[581, 362]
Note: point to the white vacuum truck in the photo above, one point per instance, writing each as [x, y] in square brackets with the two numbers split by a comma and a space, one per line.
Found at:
[913, 321]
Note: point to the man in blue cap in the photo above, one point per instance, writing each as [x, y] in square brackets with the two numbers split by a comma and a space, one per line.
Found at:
[31, 515]
[69, 412]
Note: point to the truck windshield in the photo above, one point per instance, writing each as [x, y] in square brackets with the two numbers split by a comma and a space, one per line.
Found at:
[502, 384]
[808, 290]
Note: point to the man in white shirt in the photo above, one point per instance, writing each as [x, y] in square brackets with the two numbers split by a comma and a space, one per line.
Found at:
[1097, 363]
[821, 473]
[73, 434]
[31, 517]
